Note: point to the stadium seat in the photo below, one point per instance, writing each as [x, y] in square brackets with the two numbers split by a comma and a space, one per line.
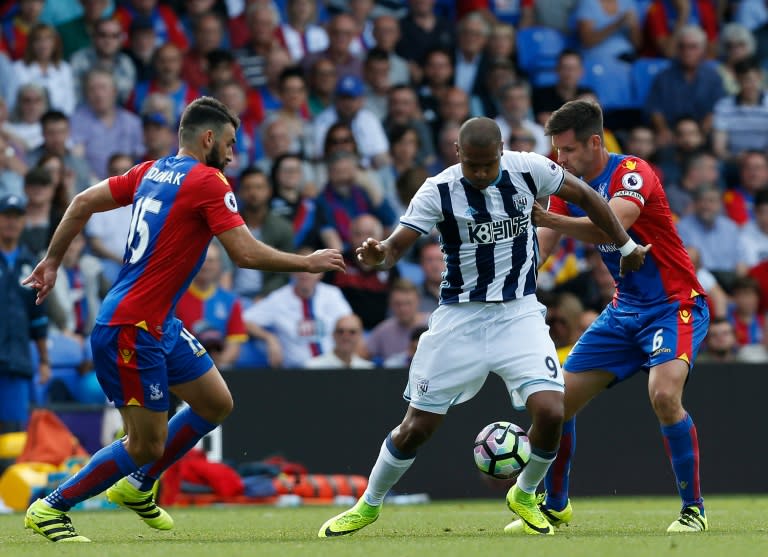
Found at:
[644, 71]
[253, 354]
[611, 81]
[538, 48]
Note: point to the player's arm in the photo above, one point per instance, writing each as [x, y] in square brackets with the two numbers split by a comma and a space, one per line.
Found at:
[248, 252]
[95, 199]
[384, 255]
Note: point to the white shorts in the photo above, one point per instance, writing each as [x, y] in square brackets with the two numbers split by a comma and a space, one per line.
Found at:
[466, 341]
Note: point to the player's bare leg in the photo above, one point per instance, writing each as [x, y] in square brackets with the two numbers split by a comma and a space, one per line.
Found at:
[210, 402]
[395, 457]
[665, 390]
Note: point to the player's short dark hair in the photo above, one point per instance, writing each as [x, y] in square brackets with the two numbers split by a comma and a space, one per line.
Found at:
[208, 113]
[53, 116]
[584, 117]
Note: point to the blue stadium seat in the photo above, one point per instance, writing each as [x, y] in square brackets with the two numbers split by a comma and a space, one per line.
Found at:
[644, 71]
[253, 354]
[538, 48]
[67, 384]
[611, 81]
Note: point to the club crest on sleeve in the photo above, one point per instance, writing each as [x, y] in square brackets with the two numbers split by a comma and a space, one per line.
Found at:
[230, 201]
[553, 168]
[632, 181]
[630, 164]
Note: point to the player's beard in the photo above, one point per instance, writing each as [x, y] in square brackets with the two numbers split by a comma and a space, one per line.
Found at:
[214, 159]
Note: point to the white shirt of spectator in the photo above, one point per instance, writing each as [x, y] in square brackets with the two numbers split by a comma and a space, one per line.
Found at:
[332, 361]
[366, 128]
[282, 313]
[111, 227]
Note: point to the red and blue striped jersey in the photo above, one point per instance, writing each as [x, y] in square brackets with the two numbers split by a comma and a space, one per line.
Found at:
[667, 274]
[179, 204]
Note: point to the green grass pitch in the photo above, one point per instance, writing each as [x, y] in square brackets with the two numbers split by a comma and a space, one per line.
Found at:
[621, 527]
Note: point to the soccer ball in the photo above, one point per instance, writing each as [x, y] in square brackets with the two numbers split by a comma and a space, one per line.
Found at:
[502, 449]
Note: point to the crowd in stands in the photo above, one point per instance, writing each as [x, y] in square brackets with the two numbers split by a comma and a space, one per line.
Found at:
[347, 106]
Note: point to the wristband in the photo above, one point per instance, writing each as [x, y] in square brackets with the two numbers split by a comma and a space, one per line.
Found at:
[627, 248]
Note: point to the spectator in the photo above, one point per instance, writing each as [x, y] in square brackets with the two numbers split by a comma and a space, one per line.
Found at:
[453, 106]
[38, 189]
[213, 314]
[594, 286]
[365, 288]
[570, 72]
[101, 127]
[246, 147]
[751, 13]
[322, 84]
[76, 297]
[43, 64]
[408, 183]
[361, 11]
[641, 142]
[665, 19]
[739, 200]
[347, 336]
[688, 140]
[142, 43]
[437, 79]
[158, 136]
[342, 30]
[498, 74]
[343, 199]
[689, 87]
[422, 30]
[276, 62]
[300, 35]
[158, 103]
[608, 31]
[105, 55]
[404, 148]
[168, 28]
[515, 112]
[222, 67]
[296, 321]
[386, 33]
[712, 233]
[208, 32]
[24, 127]
[262, 25]
[699, 169]
[403, 110]
[57, 141]
[403, 359]
[367, 129]
[447, 140]
[8, 80]
[166, 64]
[294, 110]
[292, 200]
[23, 321]
[376, 82]
[471, 63]
[12, 168]
[502, 44]
[720, 344]
[63, 180]
[255, 192]
[107, 232]
[748, 323]
[717, 299]
[16, 30]
[276, 140]
[432, 263]
[753, 238]
[563, 316]
[737, 45]
[78, 33]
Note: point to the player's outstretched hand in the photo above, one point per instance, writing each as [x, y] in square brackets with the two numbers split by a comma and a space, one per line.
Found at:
[326, 260]
[42, 279]
[371, 252]
[634, 260]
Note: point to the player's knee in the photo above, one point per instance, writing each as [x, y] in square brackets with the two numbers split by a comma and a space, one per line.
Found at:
[666, 403]
[549, 417]
[145, 449]
[413, 433]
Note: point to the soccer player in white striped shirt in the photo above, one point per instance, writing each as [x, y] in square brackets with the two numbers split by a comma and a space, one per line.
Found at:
[489, 318]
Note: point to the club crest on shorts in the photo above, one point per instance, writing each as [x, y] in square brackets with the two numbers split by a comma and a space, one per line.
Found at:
[422, 386]
[155, 393]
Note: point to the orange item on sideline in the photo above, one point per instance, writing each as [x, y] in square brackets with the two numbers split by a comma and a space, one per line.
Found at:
[49, 440]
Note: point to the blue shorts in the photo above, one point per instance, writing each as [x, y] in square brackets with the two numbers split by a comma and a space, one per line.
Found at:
[136, 369]
[626, 339]
[15, 393]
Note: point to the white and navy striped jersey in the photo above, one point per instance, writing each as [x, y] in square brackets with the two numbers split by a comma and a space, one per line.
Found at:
[489, 242]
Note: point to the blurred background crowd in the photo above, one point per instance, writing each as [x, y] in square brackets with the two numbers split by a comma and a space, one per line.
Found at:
[346, 107]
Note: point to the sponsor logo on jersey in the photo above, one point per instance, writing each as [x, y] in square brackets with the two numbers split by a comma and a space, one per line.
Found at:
[632, 194]
[685, 315]
[632, 181]
[662, 350]
[165, 176]
[230, 201]
[629, 164]
[126, 355]
[495, 231]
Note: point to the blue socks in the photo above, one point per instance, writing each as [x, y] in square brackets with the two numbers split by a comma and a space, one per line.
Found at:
[105, 467]
[557, 480]
[682, 444]
[184, 431]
